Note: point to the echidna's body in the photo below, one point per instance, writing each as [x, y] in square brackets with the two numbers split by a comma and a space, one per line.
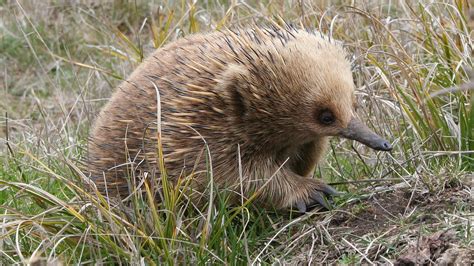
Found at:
[273, 96]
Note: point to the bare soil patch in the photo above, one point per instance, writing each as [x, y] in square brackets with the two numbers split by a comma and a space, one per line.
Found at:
[401, 227]
[382, 211]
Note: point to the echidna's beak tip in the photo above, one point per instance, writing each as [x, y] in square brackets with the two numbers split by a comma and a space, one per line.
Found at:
[356, 130]
[386, 146]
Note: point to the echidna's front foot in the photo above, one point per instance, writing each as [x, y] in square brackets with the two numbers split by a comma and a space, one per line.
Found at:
[317, 197]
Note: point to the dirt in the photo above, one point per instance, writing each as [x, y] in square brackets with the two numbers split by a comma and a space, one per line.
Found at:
[368, 216]
[436, 248]
[402, 227]
[382, 211]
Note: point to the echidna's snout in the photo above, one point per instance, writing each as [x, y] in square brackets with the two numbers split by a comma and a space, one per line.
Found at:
[356, 130]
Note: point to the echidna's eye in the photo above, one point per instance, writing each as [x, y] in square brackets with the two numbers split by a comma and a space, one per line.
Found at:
[326, 117]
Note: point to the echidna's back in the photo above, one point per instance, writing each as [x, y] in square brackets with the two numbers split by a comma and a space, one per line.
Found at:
[123, 139]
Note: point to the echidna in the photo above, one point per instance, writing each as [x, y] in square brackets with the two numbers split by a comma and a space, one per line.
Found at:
[272, 96]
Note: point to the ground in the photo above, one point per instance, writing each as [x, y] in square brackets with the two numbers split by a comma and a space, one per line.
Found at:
[409, 226]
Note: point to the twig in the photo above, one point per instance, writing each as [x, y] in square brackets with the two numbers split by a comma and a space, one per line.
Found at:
[462, 87]
[9, 147]
[366, 181]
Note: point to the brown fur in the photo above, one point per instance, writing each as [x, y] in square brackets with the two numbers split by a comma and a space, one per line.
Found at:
[260, 90]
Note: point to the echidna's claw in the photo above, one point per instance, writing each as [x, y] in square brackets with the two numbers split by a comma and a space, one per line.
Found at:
[318, 197]
[301, 206]
[330, 191]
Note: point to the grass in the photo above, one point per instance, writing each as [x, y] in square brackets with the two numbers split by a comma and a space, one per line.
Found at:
[413, 64]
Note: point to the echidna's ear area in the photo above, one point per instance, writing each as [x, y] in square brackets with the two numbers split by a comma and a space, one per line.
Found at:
[233, 86]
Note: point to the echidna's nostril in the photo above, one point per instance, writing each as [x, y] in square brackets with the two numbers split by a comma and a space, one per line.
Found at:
[387, 146]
